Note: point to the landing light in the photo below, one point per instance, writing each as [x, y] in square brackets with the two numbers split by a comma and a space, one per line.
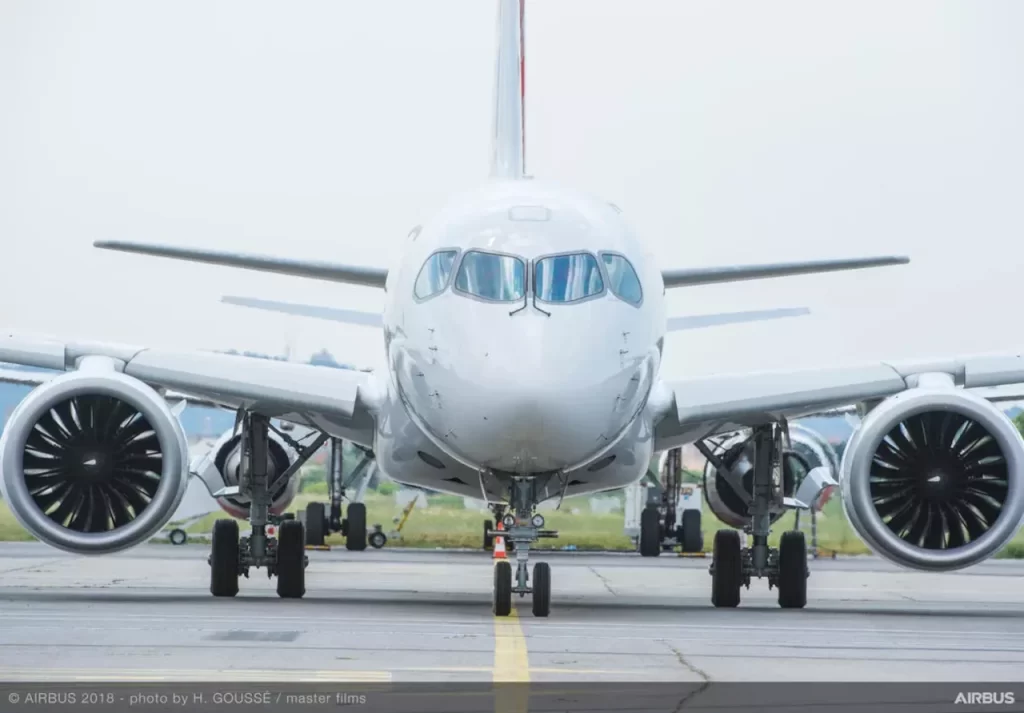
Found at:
[509, 522]
[538, 521]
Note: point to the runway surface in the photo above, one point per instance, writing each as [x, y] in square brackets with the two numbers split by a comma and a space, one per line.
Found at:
[404, 615]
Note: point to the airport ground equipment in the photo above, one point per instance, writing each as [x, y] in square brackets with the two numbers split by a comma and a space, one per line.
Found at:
[321, 520]
[178, 534]
[378, 539]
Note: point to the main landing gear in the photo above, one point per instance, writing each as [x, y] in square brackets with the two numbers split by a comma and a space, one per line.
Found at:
[732, 565]
[521, 528]
[284, 555]
[320, 522]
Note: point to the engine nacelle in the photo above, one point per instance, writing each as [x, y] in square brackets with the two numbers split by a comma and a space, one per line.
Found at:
[807, 450]
[220, 468]
[93, 462]
[932, 479]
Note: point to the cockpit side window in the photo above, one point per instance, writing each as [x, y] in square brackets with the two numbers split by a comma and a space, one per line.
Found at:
[567, 278]
[624, 282]
[492, 277]
[434, 274]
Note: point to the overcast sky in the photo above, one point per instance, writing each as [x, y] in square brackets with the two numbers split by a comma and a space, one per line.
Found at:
[728, 132]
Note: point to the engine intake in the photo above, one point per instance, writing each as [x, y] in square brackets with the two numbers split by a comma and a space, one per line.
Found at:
[932, 479]
[93, 462]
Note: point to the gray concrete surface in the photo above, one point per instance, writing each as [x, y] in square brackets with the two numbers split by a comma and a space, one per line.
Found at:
[404, 615]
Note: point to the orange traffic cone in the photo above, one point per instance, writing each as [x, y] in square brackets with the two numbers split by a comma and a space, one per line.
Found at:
[499, 545]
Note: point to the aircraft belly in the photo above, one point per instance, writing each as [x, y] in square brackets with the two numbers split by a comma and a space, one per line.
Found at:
[407, 455]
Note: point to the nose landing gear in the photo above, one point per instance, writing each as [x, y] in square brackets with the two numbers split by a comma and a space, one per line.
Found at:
[521, 530]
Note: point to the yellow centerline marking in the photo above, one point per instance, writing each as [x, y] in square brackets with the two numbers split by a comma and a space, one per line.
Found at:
[511, 659]
[511, 665]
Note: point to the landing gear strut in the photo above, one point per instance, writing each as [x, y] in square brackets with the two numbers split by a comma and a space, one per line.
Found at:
[521, 528]
[732, 565]
[284, 555]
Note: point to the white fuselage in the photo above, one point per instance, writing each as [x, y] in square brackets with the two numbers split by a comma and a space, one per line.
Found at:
[480, 389]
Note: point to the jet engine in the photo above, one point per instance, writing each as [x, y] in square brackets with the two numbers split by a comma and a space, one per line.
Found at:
[220, 468]
[931, 479]
[93, 462]
[807, 450]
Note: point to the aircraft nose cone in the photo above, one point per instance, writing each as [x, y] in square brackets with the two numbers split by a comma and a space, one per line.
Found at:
[526, 408]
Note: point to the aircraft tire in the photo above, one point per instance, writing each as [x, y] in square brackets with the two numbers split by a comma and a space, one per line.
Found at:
[792, 570]
[316, 524]
[501, 602]
[291, 560]
[541, 589]
[355, 535]
[224, 559]
[727, 569]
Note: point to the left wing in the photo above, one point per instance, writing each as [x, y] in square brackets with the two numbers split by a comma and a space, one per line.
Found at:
[292, 392]
[317, 270]
[35, 378]
[689, 410]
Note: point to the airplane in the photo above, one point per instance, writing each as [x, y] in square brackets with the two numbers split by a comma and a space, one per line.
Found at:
[524, 330]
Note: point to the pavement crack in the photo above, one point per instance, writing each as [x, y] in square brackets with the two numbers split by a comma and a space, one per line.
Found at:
[604, 581]
[704, 677]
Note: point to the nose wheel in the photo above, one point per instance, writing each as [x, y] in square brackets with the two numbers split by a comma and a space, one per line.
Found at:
[521, 529]
[501, 601]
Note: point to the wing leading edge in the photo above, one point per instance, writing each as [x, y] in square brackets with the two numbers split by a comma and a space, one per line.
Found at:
[301, 393]
[329, 271]
[689, 410]
[738, 273]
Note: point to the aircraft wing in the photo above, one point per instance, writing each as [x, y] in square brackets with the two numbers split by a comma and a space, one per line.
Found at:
[689, 410]
[35, 378]
[279, 389]
[330, 271]
[689, 277]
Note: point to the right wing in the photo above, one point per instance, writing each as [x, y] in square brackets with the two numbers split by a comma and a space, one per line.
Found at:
[690, 410]
[300, 393]
[736, 273]
[330, 271]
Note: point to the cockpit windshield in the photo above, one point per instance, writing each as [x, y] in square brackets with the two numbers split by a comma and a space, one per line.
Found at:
[434, 274]
[492, 277]
[567, 278]
[624, 282]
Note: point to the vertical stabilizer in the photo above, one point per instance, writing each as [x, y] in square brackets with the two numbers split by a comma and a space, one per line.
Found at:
[509, 157]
